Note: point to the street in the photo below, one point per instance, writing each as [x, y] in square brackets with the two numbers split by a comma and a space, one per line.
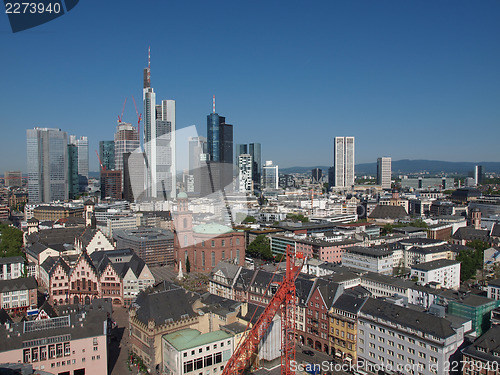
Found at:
[118, 347]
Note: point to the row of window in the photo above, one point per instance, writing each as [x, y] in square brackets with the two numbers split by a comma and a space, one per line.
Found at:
[43, 352]
[201, 362]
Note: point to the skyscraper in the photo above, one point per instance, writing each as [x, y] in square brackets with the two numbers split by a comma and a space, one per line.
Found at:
[219, 138]
[219, 168]
[107, 154]
[159, 142]
[384, 172]
[126, 140]
[245, 183]
[240, 149]
[197, 157]
[73, 181]
[478, 174]
[47, 164]
[270, 178]
[254, 150]
[316, 175]
[344, 162]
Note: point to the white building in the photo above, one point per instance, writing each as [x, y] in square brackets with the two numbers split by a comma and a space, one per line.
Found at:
[344, 162]
[270, 178]
[384, 172]
[126, 140]
[368, 259]
[407, 341]
[188, 351]
[245, 180]
[443, 271]
[11, 267]
[494, 289]
[159, 143]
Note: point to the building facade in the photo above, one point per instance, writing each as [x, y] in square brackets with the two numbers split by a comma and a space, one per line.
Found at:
[47, 155]
[107, 154]
[344, 162]
[384, 172]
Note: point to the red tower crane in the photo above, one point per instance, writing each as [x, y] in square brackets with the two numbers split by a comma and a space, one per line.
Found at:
[139, 117]
[120, 117]
[284, 301]
[103, 168]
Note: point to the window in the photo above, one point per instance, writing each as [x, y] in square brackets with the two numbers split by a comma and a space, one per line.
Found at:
[208, 360]
[203, 259]
[223, 242]
[188, 366]
[213, 243]
[213, 259]
[198, 363]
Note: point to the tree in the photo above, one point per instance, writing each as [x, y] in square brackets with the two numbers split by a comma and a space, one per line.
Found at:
[472, 260]
[188, 265]
[298, 217]
[11, 241]
[249, 219]
[260, 247]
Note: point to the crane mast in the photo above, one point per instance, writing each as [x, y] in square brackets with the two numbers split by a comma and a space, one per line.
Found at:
[284, 301]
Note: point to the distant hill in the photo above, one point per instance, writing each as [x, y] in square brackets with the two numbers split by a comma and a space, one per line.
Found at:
[406, 166]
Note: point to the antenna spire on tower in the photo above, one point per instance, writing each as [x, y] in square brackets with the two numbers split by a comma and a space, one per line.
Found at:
[213, 103]
[149, 57]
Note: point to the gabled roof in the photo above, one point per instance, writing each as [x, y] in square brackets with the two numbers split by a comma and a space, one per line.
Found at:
[495, 231]
[329, 291]
[4, 317]
[263, 278]
[244, 279]
[48, 309]
[87, 236]
[164, 306]
[50, 264]
[470, 233]
[21, 283]
[86, 257]
[303, 287]
[10, 260]
[349, 303]
[229, 270]
[49, 237]
[486, 347]
[388, 212]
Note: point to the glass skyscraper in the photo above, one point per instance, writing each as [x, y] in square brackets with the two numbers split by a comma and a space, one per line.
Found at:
[73, 181]
[254, 149]
[344, 161]
[47, 156]
[107, 154]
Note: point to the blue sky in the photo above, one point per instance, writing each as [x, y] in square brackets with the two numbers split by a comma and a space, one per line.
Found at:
[409, 79]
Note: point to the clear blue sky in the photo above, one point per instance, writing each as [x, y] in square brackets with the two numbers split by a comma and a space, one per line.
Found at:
[409, 79]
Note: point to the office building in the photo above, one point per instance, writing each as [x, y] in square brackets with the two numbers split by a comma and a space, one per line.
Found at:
[126, 140]
[107, 154]
[445, 272]
[407, 341]
[254, 149]
[73, 180]
[111, 184]
[197, 157]
[82, 145]
[240, 150]
[245, 183]
[478, 174]
[270, 176]
[159, 143]
[316, 175]
[384, 172]
[13, 178]
[218, 174]
[47, 155]
[344, 162]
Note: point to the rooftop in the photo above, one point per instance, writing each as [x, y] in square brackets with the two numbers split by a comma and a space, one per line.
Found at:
[435, 264]
[192, 338]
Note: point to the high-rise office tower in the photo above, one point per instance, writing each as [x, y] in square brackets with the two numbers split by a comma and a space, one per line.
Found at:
[82, 145]
[384, 172]
[344, 162]
[240, 150]
[316, 175]
[126, 140]
[107, 154]
[159, 142]
[254, 150]
[73, 181]
[111, 184]
[133, 176]
[197, 157]
[47, 164]
[245, 182]
[219, 167]
[270, 178]
[478, 174]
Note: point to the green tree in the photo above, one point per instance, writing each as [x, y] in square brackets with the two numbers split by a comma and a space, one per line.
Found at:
[249, 219]
[260, 247]
[11, 241]
[298, 217]
[188, 265]
[472, 260]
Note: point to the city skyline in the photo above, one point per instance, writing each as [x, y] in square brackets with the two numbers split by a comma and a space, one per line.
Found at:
[425, 71]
